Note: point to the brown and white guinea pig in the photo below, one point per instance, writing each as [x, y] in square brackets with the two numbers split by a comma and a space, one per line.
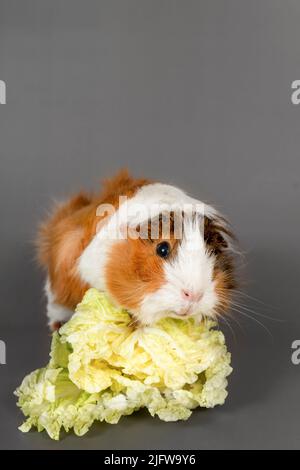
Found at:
[152, 277]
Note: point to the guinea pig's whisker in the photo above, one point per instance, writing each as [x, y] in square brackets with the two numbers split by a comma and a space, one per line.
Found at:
[232, 317]
[134, 294]
[230, 327]
[254, 319]
[223, 319]
[255, 299]
[243, 313]
[256, 313]
[225, 313]
[246, 308]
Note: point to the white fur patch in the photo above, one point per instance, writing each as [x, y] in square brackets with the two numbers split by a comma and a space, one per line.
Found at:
[55, 312]
[191, 270]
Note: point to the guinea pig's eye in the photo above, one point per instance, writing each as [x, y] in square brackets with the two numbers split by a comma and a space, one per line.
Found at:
[163, 249]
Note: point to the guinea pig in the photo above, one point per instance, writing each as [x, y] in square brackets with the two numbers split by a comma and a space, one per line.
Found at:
[106, 241]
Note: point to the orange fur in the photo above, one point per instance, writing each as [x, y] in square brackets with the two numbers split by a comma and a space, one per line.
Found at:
[64, 236]
[224, 284]
[134, 270]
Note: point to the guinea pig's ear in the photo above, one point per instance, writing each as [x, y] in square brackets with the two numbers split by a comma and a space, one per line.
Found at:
[218, 234]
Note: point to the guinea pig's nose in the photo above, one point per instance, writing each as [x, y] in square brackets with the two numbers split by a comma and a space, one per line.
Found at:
[191, 296]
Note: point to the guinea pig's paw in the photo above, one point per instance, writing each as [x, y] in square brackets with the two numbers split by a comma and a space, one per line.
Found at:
[134, 323]
[55, 326]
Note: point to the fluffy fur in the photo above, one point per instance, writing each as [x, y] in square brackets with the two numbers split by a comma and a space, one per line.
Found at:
[80, 248]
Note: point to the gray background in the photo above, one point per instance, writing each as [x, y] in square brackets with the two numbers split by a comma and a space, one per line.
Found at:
[195, 93]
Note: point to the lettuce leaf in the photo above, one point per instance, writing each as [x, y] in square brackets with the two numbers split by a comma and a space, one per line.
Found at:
[101, 369]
